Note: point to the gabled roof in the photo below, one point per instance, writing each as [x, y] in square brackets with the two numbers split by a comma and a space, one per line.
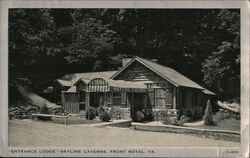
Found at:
[48, 90]
[167, 73]
[72, 89]
[71, 79]
[84, 80]
[64, 83]
[208, 92]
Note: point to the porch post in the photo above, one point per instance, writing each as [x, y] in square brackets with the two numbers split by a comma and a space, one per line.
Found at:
[174, 98]
[86, 101]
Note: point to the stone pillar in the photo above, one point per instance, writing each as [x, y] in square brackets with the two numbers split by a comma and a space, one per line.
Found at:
[174, 97]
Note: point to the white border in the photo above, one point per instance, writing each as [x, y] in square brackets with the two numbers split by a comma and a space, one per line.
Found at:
[172, 152]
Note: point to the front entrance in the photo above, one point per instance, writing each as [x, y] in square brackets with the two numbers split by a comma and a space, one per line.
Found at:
[96, 99]
[137, 103]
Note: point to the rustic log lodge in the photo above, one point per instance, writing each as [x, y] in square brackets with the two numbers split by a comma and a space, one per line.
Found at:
[140, 85]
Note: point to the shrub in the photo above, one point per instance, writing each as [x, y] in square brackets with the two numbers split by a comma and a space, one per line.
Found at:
[169, 119]
[90, 113]
[105, 116]
[44, 110]
[139, 116]
[116, 113]
[208, 117]
[183, 119]
[100, 110]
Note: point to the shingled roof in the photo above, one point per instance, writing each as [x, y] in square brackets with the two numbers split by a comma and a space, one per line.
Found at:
[71, 79]
[167, 73]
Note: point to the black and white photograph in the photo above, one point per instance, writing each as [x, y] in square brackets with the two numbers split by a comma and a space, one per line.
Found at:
[117, 78]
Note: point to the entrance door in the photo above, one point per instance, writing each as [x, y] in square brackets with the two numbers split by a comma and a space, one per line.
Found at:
[137, 103]
[96, 99]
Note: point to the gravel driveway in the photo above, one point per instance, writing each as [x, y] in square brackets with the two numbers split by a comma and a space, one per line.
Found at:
[25, 133]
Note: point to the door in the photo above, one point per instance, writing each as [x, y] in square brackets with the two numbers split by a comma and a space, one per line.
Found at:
[137, 103]
[96, 99]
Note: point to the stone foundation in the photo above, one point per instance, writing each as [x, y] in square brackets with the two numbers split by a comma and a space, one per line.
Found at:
[193, 112]
[118, 112]
[159, 114]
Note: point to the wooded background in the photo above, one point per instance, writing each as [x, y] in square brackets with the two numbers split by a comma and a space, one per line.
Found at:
[202, 44]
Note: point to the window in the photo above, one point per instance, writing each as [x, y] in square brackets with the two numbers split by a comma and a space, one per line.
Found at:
[169, 99]
[195, 99]
[160, 98]
[109, 99]
[151, 98]
[82, 96]
[116, 98]
[184, 97]
[124, 99]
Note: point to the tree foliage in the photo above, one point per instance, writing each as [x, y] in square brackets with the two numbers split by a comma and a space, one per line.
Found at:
[202, 44]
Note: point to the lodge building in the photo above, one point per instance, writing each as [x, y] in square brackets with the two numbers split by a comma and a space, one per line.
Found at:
[140, 85]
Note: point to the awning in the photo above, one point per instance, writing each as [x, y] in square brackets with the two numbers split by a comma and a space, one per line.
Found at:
[106, 85]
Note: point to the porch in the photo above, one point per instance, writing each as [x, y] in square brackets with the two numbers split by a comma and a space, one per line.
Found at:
[122, 98]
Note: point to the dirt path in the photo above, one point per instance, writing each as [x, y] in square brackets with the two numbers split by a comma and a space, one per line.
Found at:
[26, 133]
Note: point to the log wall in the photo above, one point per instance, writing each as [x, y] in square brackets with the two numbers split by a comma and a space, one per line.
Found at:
[70, 102]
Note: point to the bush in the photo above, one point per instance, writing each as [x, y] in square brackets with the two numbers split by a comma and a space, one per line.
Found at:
[139, 116]
[208, 117]
[116, 113]
[100, 110]
[183, 119]
[105, 116]
[90, 113]
[44, 110]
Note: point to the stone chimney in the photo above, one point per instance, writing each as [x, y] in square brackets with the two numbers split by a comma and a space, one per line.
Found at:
[125, 61]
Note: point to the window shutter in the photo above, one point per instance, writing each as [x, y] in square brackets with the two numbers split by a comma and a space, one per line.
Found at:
[123, 98]
[168, 98]
[151, 97]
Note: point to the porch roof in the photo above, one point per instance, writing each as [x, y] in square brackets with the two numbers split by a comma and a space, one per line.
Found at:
[104, 85]
[126, 84]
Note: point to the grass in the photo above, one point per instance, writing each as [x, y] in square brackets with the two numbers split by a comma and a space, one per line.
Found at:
[28, 133]
[73, 120]
[223, 121]
[226, 124]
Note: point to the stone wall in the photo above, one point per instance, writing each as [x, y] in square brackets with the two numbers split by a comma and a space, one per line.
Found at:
[159, 114]
[192, 112]
[118, 112]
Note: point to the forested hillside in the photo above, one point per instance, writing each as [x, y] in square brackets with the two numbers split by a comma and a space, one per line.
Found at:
[45, 44]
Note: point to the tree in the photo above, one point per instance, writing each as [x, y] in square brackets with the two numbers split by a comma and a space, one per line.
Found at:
[208, 117]
[60, 41]
[224, 62]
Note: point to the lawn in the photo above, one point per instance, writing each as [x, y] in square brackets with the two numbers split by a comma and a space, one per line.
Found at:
[27, 133]
[225, 124]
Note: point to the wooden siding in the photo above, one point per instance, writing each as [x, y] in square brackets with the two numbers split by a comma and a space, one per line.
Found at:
[137, 72]
[188, 97]
[70, 102]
